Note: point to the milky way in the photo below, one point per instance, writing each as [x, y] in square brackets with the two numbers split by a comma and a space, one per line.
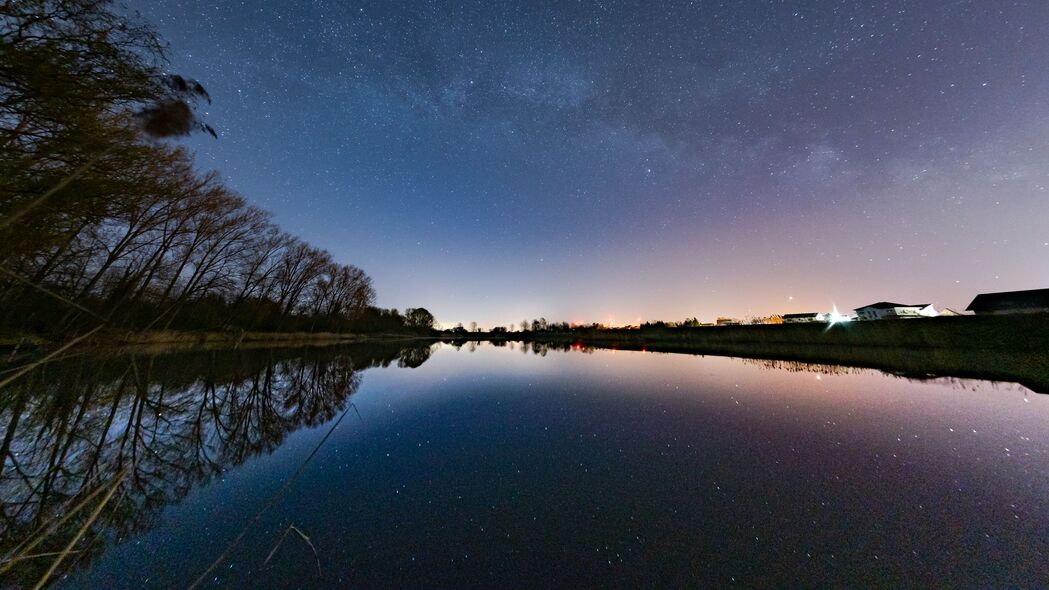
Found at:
[638, 160]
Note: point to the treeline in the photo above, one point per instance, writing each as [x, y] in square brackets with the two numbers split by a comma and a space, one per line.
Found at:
[100, 220]
[544, 326]
[540, 325]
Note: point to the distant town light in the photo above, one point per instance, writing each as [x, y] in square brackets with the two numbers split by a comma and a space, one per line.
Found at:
[835, 317]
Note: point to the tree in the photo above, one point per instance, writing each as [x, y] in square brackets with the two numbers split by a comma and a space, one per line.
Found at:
[97, 213]
[418, 318]
[299, 267]
[78, 76]
[66, 62]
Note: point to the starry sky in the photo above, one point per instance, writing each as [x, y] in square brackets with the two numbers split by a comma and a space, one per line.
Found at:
[623, 161]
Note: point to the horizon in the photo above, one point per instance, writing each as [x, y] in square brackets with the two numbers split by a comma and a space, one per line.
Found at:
[611, 322]
[610, 161]
[383, 294]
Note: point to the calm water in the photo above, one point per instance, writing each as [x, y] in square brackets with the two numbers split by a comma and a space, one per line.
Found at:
[486, 466]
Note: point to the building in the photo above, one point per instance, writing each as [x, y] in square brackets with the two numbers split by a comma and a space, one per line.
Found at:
[884, 310]
[950, 312]
[727, 322]
[1031, 301]
[804, 318]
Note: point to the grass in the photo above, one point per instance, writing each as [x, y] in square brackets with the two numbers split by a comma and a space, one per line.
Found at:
[305, 539]
[68, 550]
[269, 504]
[24, 551]
[1020, 332]
[1002, 348]
[29, 367]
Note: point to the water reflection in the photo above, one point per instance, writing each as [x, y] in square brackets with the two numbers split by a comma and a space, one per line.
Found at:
[172, 421]
[542, 464]
[1029, 369]
[825, 369]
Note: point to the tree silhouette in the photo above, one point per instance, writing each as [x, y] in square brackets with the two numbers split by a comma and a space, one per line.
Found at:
[418, 318]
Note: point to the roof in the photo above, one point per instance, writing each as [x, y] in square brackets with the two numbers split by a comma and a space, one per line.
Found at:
[788, 316]
[1030, 299]
[890, 305]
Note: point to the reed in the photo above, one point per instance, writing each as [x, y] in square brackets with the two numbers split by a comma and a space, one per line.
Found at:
[269, 502]
[25, 551]
[50, 356]
[305, 539]
[68, 550]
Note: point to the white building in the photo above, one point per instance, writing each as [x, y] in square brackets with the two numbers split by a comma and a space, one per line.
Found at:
[804, 318]
[884, 310]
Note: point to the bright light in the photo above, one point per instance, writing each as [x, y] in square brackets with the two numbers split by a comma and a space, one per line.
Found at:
[836, 317]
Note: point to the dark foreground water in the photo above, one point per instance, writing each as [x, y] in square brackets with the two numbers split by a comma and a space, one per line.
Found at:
[498, 466]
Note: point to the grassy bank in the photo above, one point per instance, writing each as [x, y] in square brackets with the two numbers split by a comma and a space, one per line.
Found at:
[1003, 348]
[1022, 333]
[227, 337]
[161, 339]
[1030, 369]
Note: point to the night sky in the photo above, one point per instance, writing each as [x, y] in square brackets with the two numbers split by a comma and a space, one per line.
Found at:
[597, 161]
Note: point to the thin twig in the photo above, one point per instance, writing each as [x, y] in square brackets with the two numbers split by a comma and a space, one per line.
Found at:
[83, 529]
[316, 556]
[66, 357]
[48, 358]
[8, 220]
[18, 347]
[43, 532]
[35, 556]
[52, 293]
[305, 539]
[85, 553]
[269, 503]
[275, 547]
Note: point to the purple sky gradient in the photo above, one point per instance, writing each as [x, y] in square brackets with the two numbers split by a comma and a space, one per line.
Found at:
[621, 161]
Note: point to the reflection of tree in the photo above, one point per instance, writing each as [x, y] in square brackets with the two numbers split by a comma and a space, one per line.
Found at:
[536, 347]
[173, 421]
[826, 369]
[414, 356]
[800, 367]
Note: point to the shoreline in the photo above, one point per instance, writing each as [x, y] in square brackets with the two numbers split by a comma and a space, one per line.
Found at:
[1018, 332]
[1011, 348]
[1015, 333]
[160, 340]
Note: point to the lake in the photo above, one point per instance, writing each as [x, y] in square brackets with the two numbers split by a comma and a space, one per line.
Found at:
[523, 465]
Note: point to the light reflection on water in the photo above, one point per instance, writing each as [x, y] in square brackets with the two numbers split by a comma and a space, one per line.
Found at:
[587, 467]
